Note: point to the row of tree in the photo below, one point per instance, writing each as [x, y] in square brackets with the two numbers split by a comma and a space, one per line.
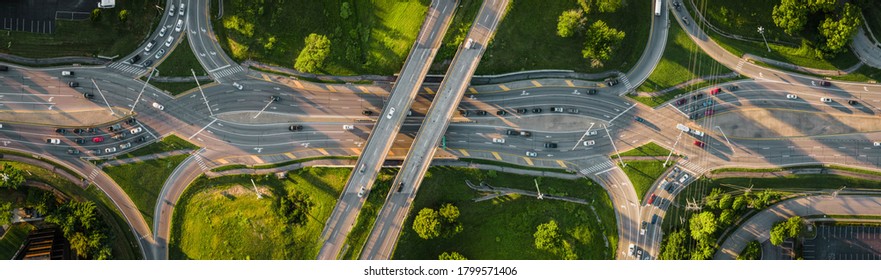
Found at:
[601, 40]
[837, 23]
[430, 223]
[84, 229]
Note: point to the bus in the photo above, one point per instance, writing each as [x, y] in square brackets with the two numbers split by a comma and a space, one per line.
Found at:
[657, 7]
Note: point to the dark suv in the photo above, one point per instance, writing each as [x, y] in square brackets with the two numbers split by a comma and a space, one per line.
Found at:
[550, 145]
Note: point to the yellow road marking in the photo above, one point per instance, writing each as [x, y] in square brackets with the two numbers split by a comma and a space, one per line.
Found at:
[534, 82]
[222, 161]
[257, 159]
[290, 155]
[561, 163]
[331, 89]
[429, 90]
[498, 157]
[298, 84]
[266, 78]
[569, 82]
[323, 152]
[528, 161]
[464, 152]
[356, 151]
[364, 89]
[472, 90]
[503, 87]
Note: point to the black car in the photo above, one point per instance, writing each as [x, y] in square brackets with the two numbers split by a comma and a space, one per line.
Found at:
[131, 121]
[502, 113]
[4, 68]
[274, 98]
[73, 84]
[73, 151]
[400, 186]
[550, 145]
[511, 132]
[80, 140]
[481, 113]
[148, 63]
[134, 59]
[78, 130]
[295, 127]
[732, 88]
[825, 83]
[536, 110]
[367, 112]
[463, 113]
[852, 102]
[91, 130]
[61, 131]
[140, 139]
[88, 95]
[612, 82]
[522, 111]
[592, 91]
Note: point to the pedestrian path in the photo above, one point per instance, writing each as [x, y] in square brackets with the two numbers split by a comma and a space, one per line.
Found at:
[127, 69]
[599, 167]
[693, 167]
[220, 73]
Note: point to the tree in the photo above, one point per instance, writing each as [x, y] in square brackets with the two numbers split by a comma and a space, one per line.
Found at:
[608, 6]
[452, 256]
[778, 234]
[704, 250]
[793, 226]
[674, 246]
[95, 15]
[312, 56]
[547, 236]
[838, 33]
[726, 218]
[123, 15]
[5, 213]
[602, 41]
[791, 15]
[345, 10]
[821, 5]
[739, 203]
[725, 201]
[711, 199]
[450, 215]
[270, 43]
[570, 22]
[753, 251]
[11, 177]
[427, 224]
[87, 234]
[702, 225]
[790, 228]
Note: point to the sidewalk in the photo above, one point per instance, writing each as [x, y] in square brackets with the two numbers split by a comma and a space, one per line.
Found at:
[118, 162]
[52, 61]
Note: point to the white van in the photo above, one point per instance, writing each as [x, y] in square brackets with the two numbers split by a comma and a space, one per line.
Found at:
[348, 127]
[66, 73]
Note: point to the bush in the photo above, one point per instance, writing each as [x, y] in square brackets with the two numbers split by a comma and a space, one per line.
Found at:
[312, 56]
[123, 15]
[96, 15]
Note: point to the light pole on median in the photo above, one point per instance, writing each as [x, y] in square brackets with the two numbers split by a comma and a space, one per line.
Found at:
[202, 92]
[762, 31]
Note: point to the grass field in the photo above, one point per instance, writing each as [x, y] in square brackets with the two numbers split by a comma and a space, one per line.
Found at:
[124, 246]
[180, 61]
[107, 37]
[682, 61]
[175, 88]
[13, 240]
[167, 144]
[527, 40]
[221, 218]
[278, 164]
[511, 165]
[744, 18]
[502, 228]
[648, 150]
[364, 224]
[644, 173]
[794, 183]
[375, 38]
[144, 190]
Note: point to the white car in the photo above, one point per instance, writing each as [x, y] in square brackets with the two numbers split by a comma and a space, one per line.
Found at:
[631, 249]
[149, 46]
[362, 191]
[55, 141]
[171, 10]
[158, 106]
[159, 53]
[125, 146]
[791, 96]
[237, 85]
[110, 150]
[391, 111]
[825, 99]
[162, 31]
[592, 132]
[684, 177]
[531, 154]
[66, 73]
[499, 140]
[136, 130]
[169, 41]
[589, 142]
[181, 11]
[877, 144]
[348, 127]
[180, 24]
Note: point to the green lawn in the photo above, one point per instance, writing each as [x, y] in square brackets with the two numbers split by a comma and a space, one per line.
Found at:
[644, 173]
[13, 240]
[175, 88]
[650, 149]
[744, 17]
[459, 27]
[806, 182]
[527, 38]
[364, 224]
[511, 165]
[167, 144]
[503, 228]
[107, 37]
[125, 246]
[682, 61]
[221, 218]
[144, 190]
[180, 61]
[278, 164]
[374, 39]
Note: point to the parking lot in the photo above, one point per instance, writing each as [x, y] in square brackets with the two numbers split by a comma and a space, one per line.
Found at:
[844, 243]
[38, 16]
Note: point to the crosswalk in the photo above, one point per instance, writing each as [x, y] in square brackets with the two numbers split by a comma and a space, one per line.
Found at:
[602, 166]
[740, 64]
[693, 167]
[227, 71]
[126, 68]
[626, 82]
[94, 174]
[201, 162]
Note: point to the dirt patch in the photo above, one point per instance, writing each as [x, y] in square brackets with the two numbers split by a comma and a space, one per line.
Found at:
[763, 123]
[239, 190]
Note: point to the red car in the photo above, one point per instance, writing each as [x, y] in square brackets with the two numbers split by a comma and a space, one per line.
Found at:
[715, 91]
[98, 139]
[699, 143]
[652, 199]
[710, 112]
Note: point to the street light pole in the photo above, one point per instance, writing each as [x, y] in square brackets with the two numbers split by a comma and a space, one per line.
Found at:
[762, 31]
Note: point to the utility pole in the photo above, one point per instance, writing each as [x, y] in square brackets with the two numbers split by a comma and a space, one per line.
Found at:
[255, 189]
[762, 31]
[540, 196]
[613, 146]
[674, 147]
[102, 97]
[142, 90]
[202, 92]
